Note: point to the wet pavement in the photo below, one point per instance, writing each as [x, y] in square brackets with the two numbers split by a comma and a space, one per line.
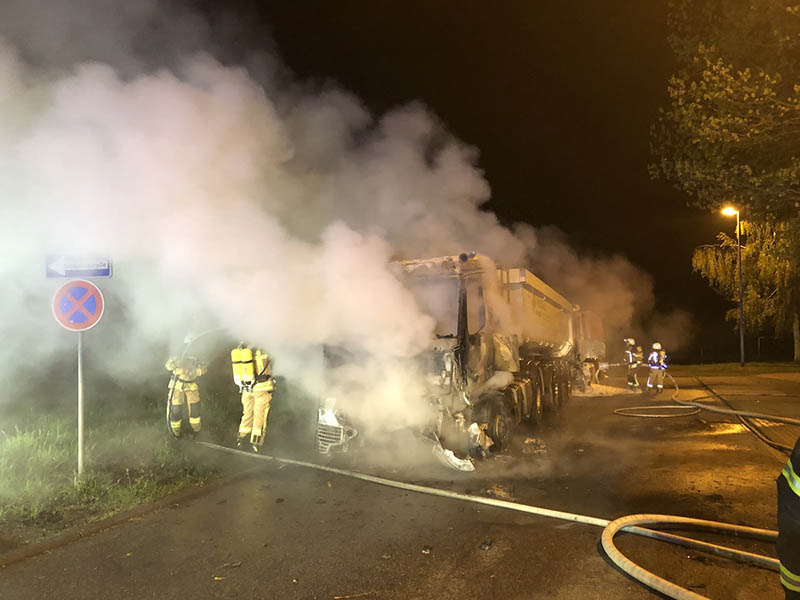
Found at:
[290, 532]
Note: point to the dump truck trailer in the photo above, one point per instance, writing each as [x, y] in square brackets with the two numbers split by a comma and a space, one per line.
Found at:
[506, 348]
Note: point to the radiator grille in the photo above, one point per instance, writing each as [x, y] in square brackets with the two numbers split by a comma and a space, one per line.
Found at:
[328, 436]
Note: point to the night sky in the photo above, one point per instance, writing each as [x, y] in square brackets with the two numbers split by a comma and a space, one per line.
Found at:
[557, 96]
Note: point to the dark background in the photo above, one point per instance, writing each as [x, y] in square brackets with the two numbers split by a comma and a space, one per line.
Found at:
[557, 96]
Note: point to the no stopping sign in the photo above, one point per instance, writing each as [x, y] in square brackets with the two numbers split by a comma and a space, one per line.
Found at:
[78, 305]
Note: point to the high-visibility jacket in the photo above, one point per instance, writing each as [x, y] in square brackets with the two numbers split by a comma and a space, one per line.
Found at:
[789, 523]
[632, 359]
[252, 370]
[185, 371]
[657, 359]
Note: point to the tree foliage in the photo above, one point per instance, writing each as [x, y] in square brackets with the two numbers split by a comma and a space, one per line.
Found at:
[730, 131]
[770, 274]
[729, 135]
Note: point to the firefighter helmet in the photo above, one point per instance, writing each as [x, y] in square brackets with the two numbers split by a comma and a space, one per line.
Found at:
[629, 341]
[656, 346]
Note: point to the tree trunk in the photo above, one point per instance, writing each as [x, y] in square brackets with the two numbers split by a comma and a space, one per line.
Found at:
[796, 335]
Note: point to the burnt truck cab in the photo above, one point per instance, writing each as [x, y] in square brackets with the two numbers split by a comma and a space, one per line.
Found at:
[469, 362]
[503, 351]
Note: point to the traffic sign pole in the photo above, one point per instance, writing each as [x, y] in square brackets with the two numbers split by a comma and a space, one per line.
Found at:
[77, 306]
[80, 404]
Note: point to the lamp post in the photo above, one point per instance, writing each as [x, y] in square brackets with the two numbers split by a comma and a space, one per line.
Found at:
[730, 211]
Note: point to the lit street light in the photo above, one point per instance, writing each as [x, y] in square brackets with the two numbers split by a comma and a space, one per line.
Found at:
[730, 211]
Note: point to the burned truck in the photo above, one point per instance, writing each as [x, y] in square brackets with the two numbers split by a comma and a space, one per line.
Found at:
[505, 349]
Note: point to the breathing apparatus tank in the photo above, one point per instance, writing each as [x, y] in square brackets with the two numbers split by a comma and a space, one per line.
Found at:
[243, 366]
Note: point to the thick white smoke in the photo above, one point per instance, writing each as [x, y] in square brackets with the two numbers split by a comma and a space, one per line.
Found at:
[271, 213]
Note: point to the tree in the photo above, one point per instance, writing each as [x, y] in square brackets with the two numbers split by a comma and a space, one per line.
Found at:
[729, 134]
[770, 277]
[730, 130]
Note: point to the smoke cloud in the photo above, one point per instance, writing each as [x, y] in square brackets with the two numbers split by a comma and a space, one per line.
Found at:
[235, 197]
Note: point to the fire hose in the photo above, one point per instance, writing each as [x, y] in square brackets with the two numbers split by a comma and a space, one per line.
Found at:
[628, 524]
[695, 407]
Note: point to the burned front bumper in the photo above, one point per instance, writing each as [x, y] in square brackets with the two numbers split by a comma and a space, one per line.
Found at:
[333, 431]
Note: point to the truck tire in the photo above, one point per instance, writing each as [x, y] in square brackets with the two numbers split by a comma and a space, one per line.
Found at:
[550, 393]
[564, 390]
[537, 404]
[496, 414]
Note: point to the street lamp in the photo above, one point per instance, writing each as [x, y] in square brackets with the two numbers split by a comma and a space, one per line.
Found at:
[729, 211]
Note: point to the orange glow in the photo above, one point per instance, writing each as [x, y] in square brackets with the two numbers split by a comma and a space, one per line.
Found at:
[729, 211]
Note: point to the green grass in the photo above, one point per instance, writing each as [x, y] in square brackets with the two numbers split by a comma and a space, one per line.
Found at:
[722, 369]
[126, 463]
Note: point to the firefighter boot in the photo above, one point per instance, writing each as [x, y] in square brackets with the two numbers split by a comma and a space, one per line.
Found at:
[257, 441]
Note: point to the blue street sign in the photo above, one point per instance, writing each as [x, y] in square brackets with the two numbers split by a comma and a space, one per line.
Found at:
[60, 266]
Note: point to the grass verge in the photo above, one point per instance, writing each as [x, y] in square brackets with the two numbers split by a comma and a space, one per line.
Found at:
[126, 464]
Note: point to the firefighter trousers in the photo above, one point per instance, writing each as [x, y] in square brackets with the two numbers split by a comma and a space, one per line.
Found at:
[192, 399]
[656, 378]
[255, 408]
[633, 377]
[789, 538]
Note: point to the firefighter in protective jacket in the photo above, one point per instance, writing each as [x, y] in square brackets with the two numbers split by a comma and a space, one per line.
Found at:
[632, 358]
[252, 372]
[789, 524]
[658, 365]
[183, 388]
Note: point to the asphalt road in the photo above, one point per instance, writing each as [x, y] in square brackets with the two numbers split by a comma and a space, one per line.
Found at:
[292, 532]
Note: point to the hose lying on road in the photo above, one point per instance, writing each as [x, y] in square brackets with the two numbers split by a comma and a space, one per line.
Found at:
[611, 528]
[638, 411]
[695, 406]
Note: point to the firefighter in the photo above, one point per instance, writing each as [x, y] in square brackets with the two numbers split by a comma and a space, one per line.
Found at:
[658, 365]
[632, 358]
[789, 524]
[252, 372]
[183, 387]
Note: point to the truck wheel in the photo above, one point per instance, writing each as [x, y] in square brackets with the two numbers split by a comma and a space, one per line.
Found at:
[551, 398]
[537, 408]
[563, 392]
[495, 412]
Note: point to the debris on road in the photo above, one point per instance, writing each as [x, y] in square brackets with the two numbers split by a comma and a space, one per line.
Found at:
[500, 492]
[218, 578]
[232, 565]
[427, 549]
[278, 500]
[533, 446]
[386, 556]
[486, 544]
[361, 595]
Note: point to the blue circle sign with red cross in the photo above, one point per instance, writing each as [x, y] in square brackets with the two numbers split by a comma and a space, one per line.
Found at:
[78, 305]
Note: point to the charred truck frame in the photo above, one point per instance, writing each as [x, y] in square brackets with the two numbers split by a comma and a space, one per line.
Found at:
[506, 349]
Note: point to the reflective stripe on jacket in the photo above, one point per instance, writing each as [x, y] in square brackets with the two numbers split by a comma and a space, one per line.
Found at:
[791, 476]
[789, 522]
[790, 580]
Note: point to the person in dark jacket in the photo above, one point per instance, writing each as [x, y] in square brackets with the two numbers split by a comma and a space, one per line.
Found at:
[789, 524]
